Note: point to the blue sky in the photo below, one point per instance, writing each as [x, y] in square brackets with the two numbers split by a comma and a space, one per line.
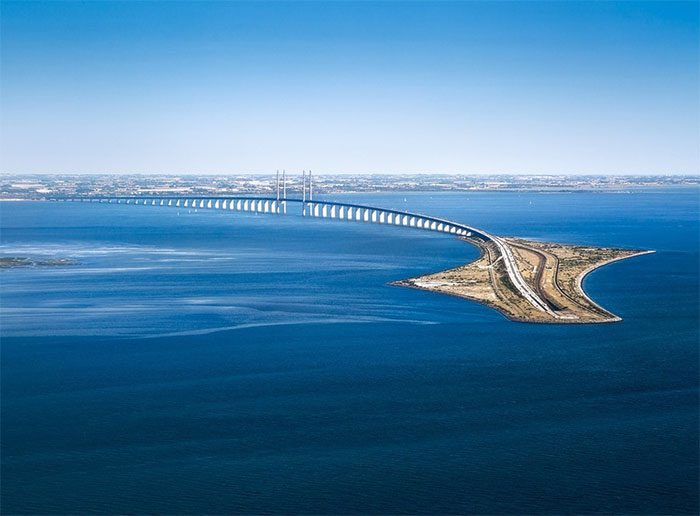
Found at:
[350, 87]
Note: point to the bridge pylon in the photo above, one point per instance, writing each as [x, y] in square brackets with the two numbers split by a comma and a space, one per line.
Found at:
[303, 193]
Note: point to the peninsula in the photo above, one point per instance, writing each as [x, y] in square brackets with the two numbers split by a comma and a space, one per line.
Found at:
[553, 271]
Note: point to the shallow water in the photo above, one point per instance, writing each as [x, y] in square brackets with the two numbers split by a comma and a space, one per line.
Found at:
[218, 362]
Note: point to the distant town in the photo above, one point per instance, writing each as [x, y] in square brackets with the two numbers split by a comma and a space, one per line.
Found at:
[37, 187]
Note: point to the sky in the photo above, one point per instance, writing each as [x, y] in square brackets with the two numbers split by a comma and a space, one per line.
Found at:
[596, 87]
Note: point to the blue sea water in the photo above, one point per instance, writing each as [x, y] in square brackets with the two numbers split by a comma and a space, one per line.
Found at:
[216, 363]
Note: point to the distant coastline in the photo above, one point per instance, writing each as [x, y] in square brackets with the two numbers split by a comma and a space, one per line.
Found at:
[41, 186]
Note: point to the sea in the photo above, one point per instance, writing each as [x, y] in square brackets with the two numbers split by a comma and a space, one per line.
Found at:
[208, 362]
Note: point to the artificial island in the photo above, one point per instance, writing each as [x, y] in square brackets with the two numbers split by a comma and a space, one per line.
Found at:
[552, 272]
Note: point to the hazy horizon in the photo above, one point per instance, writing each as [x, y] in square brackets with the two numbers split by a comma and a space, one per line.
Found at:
[291, 173]
[230, 88]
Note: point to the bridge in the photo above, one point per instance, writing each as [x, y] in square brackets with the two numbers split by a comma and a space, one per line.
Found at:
[323, 209]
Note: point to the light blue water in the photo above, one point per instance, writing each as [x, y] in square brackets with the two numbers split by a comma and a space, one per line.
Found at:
[217, 362]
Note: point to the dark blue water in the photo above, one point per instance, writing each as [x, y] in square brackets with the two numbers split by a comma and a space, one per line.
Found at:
[217, 363]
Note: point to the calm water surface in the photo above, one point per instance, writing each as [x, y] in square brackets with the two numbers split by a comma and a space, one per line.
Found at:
[212, 362]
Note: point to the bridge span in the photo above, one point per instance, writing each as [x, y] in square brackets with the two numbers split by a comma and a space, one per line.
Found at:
[323, 209]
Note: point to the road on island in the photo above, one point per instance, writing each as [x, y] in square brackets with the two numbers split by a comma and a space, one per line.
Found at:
[517, 279]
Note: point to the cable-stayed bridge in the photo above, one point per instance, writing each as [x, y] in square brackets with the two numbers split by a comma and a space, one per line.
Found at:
[324, 209]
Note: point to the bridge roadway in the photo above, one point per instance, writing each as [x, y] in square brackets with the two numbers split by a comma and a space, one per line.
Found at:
[335, 210]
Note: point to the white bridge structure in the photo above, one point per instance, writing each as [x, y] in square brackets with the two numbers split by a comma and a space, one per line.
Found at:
[326, 209]
[272, 206]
